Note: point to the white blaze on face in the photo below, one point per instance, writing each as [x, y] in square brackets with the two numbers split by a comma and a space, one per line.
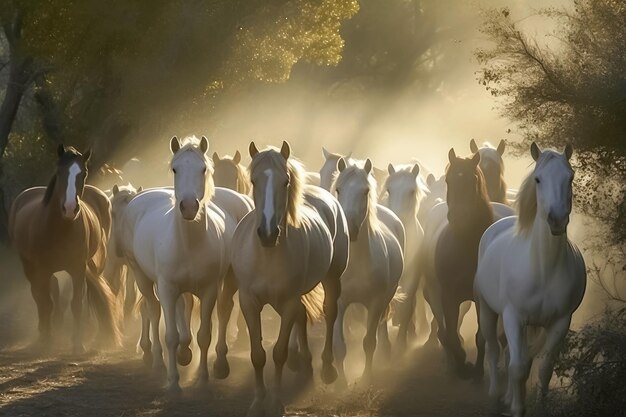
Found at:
[70, 193]
[268, 206]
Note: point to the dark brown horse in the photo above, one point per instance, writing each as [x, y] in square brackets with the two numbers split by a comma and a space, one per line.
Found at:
[65, 227]
[454, 251]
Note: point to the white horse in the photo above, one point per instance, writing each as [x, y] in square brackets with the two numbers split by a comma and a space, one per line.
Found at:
[283, 250]
[116, 270]
[180, 240]
[531, 274]
[404, 193]
[328, 171]
[436, 194]
[376, 259]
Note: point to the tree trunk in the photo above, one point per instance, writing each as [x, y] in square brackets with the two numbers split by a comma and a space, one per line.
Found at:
[19, 80]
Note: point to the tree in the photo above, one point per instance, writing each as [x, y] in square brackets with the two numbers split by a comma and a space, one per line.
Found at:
[573, 92]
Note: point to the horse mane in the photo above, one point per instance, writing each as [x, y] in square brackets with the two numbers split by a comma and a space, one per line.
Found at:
[295, 170]
[526, 201]
[192, 144]
[243, 179]
[372, 207]
[49, 190]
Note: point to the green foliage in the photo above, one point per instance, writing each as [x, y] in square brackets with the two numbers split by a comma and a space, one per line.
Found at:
[593, 368]
[572, 92]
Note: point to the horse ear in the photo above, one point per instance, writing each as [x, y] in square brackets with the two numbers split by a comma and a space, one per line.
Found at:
[535, 151]
[204, 144]
[116, 189]
[476, 158]
[416, 170]
[341, 164]
[473, 146]
[87, 155]
[174, 144]
[430, 180]
[368, 166]
[285, 150]
[569, 150]
[237, 157]
[452, 155]
[253, 149]
[501, 147]
[326, 153]
[391, 169]
[140, 189]
[216, 158]
[60, 150]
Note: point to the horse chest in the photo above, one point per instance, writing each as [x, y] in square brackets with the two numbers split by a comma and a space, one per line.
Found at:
[456, 258]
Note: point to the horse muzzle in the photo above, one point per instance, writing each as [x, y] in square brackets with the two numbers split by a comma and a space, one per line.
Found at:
[71, 210]
[268, 238]
[189, 208]
[558, 224]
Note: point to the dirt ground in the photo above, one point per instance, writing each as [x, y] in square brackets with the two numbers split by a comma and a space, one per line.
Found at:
[116, 383]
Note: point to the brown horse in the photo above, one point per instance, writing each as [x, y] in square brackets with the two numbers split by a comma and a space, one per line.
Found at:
[453, 255]
[65, 227]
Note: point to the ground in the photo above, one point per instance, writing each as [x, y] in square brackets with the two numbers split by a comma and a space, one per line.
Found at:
[116, 382]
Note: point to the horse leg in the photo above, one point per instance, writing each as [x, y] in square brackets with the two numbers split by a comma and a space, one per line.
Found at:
[421, 317]
[289, 311]
[452, 345]
[40, 290]
[207, 303]
[437, 325]
[555, 335]
[304, 356]
[339, 343]
[78, 296]
[184, 308]
[464, 308]
[57, 307]
[375, 314]
[251, 309]
[383, 337]
[519, 363]
[479, 366]
[169, 295]
[144, 339]
[488, 327]
[130, 296]
[153, 308]
[242, 339]
[406, 312]
[332, 290]
[221, 369]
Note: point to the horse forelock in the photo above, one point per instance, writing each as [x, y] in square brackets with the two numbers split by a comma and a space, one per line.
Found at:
[356, 171]
[294, 170]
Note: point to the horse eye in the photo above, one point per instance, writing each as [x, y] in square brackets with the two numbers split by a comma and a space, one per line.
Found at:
[537, 180]
[204, 170]
[174, 170]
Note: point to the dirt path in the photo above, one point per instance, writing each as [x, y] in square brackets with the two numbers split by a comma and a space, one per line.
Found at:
[117, 384]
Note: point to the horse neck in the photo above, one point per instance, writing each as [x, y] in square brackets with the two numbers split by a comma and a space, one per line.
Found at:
[478, 213]
[547, 250]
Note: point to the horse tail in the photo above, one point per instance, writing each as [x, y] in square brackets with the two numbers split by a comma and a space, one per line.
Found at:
[103, 304]
[313, 302]
[399, 298]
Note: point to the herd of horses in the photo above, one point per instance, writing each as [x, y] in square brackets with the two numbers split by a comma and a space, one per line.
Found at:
[310, 245]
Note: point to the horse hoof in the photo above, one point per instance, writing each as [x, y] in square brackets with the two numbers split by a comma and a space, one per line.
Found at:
[274, 407]
[293, 360]
[256, 409]
[329, 374]
[78, 349]
[221, 369]
[202, 381]
[183, 356]
[173, 389]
